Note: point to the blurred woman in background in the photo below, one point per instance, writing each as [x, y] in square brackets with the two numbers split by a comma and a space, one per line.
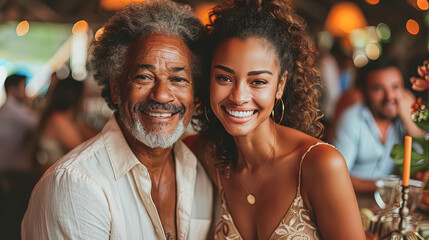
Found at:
[62, 126]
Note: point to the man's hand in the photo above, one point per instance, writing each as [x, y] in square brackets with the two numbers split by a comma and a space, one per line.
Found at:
[405, 101]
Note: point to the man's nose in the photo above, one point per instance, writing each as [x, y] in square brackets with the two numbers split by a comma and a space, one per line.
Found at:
[390, 94]
[161, 92]
[240, 94]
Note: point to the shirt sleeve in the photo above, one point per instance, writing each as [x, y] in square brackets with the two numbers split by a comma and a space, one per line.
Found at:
[347, 137]
[67, 205]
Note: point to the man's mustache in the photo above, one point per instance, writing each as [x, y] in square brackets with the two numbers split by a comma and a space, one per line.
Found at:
[146, 107]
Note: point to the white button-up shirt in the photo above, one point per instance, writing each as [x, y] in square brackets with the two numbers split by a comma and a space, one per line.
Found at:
[101, 191]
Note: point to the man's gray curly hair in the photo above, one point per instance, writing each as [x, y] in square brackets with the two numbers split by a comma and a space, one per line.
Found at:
[135, 20]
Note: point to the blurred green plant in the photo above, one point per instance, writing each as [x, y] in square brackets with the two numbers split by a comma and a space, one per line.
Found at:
[419, 155]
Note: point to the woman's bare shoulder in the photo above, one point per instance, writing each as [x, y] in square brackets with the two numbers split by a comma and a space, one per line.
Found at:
[320, 157]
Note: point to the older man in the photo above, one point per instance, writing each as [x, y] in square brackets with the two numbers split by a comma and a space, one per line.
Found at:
[134, 180]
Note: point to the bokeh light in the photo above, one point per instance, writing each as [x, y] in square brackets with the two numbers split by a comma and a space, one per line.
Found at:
[373, 50]
[373, 2]
[360, 59]
[343, 18]
[359, 38]
[325, 40]
[22, 28]
[423, 4]
[383, 32]
[80, 27]
[413, 27]
[115, 4]
[98, 34]
[202, 12]
[63, 72]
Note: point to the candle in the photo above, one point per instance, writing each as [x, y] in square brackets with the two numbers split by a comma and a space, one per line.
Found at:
[407, 161]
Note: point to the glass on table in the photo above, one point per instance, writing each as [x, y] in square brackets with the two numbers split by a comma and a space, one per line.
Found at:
[388, 191]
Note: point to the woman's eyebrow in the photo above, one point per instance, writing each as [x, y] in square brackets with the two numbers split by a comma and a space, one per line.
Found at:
[226, 69]
[254, 73]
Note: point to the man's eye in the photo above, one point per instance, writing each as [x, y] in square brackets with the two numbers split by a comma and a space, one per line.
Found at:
[142, 77]
[223, 78]
[179, 79]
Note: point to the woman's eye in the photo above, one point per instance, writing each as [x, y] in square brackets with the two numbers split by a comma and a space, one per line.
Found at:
[259, 82]
[223, 78]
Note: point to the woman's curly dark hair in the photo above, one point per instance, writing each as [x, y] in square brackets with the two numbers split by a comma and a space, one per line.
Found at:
[136, 20]
[277, 22]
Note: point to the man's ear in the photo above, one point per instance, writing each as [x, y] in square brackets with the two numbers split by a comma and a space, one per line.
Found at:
[281, 86]
[114, 91]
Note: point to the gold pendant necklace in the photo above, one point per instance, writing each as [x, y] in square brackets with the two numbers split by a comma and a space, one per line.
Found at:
[251, 199]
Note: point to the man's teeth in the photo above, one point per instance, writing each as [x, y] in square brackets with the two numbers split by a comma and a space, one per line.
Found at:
[239, 114]
[159, 115]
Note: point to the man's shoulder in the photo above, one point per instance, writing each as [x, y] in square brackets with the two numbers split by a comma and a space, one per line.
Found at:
[355, 112]
[85, 162]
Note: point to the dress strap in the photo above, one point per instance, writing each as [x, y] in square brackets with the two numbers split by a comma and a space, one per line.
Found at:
[302, 159]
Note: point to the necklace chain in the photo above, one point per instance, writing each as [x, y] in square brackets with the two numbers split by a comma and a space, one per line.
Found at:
[251, 199]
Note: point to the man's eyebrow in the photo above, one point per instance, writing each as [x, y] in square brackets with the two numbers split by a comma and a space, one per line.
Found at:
[178, 69]
[254, 73]
[146, 66]
[226, 69]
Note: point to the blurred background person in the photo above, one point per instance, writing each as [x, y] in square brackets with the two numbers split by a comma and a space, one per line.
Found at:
[367, 131]
[17, 123]
[62, 125]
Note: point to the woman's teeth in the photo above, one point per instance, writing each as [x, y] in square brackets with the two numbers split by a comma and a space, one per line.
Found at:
[239, 114]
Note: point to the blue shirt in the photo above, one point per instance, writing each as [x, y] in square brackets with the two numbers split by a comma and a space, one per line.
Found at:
[357, 138]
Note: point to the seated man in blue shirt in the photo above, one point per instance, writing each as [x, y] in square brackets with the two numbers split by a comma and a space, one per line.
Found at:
[367, 131]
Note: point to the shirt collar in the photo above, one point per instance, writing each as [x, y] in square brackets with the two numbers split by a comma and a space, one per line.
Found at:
[369, 118]
[122, 159]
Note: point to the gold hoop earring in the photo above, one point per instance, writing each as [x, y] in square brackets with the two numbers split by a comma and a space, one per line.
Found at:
[205, 114]
[283, 111]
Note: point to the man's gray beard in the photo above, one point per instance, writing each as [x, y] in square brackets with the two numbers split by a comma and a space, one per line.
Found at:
[150, 139]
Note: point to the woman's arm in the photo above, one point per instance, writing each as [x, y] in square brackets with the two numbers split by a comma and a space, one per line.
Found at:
[326, 184]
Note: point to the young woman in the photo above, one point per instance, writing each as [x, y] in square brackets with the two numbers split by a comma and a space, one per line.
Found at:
[258, 118]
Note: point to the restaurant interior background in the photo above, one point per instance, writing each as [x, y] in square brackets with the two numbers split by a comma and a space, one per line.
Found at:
[42, 37]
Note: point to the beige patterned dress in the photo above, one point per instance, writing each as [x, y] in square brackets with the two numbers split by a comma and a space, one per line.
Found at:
[297, 224]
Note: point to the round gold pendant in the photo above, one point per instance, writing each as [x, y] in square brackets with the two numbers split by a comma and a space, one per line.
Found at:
[251, 199]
